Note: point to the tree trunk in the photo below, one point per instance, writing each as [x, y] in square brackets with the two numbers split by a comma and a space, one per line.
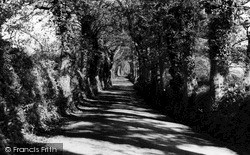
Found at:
[161, 68]
[154, 83]
[213, 73]
[185, 87]
[143, 72]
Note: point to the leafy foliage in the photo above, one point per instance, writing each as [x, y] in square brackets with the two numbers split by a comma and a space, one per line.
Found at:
[58, 53]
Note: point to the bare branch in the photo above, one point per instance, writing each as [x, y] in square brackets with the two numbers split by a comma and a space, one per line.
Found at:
[241, 40]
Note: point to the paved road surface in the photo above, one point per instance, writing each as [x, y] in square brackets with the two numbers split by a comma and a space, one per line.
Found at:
[119, 123]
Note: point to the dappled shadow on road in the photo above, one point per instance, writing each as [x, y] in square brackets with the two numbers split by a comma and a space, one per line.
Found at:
[118, 122]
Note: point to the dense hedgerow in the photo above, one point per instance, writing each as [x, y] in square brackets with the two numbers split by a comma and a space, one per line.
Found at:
[27, 95]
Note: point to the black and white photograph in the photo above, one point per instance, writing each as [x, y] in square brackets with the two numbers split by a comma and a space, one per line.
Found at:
[124, 77]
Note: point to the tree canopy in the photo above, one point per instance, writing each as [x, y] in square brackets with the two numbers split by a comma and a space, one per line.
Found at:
[56, 54]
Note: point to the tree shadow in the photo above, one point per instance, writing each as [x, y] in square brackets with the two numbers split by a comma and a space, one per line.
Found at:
[120, 118]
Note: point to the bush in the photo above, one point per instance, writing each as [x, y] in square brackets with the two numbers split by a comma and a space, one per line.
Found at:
[201, 70]
[230, 103]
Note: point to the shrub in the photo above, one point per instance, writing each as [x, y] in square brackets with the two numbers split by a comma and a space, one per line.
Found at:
[230, 103]
[201, 70]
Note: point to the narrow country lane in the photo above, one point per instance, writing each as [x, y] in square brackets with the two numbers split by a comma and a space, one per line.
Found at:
[119, 123]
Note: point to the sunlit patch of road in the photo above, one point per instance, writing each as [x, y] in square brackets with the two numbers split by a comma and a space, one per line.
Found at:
[209, 150]
[87, 146]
